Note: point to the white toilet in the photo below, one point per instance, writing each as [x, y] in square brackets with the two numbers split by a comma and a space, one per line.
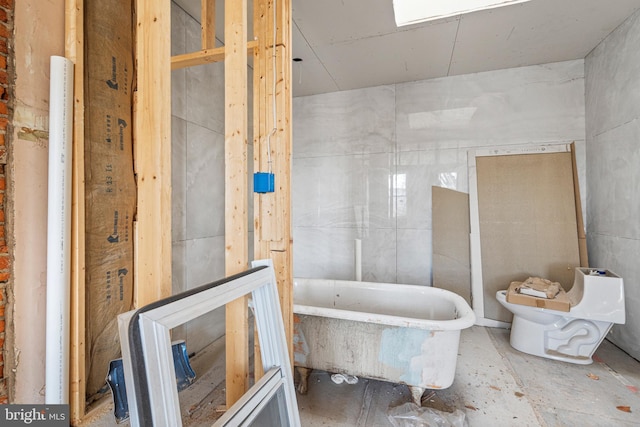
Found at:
[597, 302]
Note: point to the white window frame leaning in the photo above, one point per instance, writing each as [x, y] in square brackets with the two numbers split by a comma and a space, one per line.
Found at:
[148, 362]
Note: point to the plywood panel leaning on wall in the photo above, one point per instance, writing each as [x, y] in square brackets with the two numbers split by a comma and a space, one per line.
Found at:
[527, 213]
[110, 186]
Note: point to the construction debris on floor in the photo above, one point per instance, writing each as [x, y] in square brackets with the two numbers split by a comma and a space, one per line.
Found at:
[495, 385]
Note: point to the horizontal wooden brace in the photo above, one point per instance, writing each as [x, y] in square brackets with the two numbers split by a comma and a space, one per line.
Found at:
[205, 56]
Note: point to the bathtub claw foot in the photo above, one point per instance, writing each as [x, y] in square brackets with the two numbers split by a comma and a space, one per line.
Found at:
[303, 385]
[416, 394]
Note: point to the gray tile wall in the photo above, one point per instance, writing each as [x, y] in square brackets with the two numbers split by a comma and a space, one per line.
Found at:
[365, 160]
[612, 74]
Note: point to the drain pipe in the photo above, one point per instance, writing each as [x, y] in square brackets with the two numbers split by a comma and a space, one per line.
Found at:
[358, 260]
[59, 231]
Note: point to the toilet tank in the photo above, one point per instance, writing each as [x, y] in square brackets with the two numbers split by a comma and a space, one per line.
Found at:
[597, 294]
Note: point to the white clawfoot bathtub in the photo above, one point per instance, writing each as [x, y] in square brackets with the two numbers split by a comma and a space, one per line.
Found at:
[398, 333]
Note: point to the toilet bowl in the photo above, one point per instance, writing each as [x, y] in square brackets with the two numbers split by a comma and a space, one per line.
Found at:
[597, 302]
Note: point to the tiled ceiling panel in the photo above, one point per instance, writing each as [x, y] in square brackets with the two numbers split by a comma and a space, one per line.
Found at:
[348, 44]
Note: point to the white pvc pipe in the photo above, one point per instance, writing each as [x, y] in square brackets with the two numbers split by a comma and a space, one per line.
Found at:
[59, 231]
[358, 260]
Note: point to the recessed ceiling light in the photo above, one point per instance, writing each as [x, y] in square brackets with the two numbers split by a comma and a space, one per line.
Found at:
[409, 12]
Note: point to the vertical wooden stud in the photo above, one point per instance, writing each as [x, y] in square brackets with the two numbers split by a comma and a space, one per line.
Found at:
[259, 129]
[236, 193]
[273, 147]
[74, 50]
[208, 23]
[152, 151]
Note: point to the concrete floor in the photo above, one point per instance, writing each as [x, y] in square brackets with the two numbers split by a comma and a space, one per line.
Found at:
[495, 385]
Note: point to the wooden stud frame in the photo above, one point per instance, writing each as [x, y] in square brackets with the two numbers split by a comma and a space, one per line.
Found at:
[148, 362]
[152, 157]
[152, 153]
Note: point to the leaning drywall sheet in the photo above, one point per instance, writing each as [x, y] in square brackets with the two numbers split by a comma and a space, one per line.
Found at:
[450, 224]
[528, 226]
[110, 187]
[582, 237]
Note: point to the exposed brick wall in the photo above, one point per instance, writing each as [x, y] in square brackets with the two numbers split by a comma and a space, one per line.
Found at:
[6, 82]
